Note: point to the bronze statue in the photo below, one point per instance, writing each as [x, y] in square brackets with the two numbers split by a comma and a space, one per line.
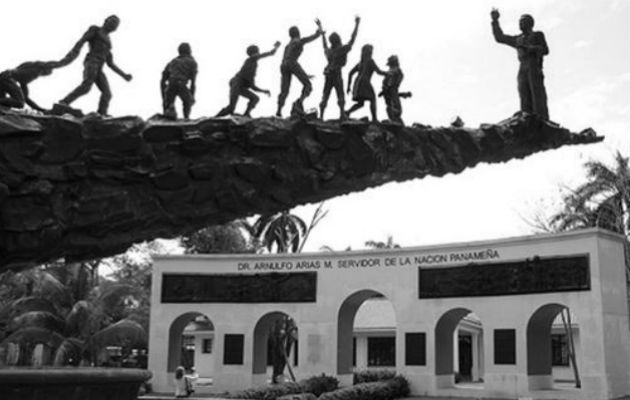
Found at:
[14, 83]
[290, 67]
[337, 56]
[98, 55]
[390, 91]
[174, 83]
[244, 80]
[531, 47]
[362, 90]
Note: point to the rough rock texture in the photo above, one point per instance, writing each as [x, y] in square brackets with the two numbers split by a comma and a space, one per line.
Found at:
[86, 188]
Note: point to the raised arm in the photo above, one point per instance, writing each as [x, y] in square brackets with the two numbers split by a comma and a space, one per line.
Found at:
[114, 67]
[271, 52]
[499, 36]
[357, 19]
[314, 36]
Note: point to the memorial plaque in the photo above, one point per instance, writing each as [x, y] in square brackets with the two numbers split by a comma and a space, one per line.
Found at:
[535, 275]
[233, 349]
[505, 346]
[298, 287]
[415, 348]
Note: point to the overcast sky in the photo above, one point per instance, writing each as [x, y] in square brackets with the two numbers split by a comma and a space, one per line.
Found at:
[451, 63]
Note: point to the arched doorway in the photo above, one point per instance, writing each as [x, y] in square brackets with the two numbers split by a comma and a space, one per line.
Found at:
[366, 333]
[275, 347]
[552, 340]
[191, 344]
[458, 348]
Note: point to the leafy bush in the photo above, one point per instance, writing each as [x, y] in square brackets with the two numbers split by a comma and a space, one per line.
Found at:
[391, 389]
[315, 384]
[374, 375]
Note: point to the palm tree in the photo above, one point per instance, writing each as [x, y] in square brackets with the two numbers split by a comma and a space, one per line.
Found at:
[284, 232]
[45, 311]
[602, 201]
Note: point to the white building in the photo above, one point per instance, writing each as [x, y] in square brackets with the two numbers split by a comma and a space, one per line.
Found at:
[483, 312]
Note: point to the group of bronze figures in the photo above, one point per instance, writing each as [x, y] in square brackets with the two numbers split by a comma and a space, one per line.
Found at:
[178, 78]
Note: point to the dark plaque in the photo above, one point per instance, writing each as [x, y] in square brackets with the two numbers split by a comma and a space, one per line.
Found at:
[415, 348]
[505, 346]
[233, 349]
[298, 287]
[535, 275]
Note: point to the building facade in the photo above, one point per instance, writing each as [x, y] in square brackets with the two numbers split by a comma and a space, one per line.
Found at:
[513, 288]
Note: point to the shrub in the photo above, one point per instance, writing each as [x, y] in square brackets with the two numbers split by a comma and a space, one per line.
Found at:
[374, 375]
[315, 384]
[391, 389]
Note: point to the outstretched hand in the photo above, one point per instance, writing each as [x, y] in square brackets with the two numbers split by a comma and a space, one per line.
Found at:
[128, 77]
[276, 44]
[494, 14]
[267, 93]
[357, 19]
[319, 25]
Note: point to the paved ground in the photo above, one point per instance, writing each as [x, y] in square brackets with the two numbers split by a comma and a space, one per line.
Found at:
[170, 396]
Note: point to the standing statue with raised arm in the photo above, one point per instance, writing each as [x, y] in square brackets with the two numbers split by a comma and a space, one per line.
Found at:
[14, 83]
[98, 55]
[243, 83]
[530, 46]
[391, 90]
[174, 83]
[337, 56]
[362, 90]
[291, 67]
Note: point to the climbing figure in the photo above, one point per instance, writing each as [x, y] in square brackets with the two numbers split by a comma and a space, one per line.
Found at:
[14, 83]
[530, 46]
[390, 91]
[175, 77]
[337, 56]
[362, 90]
[98, 55]
[290, 67]
[243, 82]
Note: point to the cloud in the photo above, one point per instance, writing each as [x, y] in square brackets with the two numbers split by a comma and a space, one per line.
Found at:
[582, 43]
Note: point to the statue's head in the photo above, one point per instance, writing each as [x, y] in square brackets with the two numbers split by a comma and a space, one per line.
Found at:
[111, 23]
[335, 40]
[366, 51]
[294, 32]
[526, 23]
[184, 49]
[392, 61]
[252, 50]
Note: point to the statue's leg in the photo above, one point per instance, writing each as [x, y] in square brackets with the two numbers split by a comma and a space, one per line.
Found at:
[524, 90]
[307, 87]
[538, 93]
[253, 100]
[16, 96]
[187, 99]
[90, 73]
[355, 107]
[285, 85]
[373, 109]
[235, 89]
[169, 101]
[106, 94]
[341, 96]
[328, 85]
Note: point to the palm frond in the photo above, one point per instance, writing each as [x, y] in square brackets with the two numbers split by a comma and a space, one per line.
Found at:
[38, 319]
[68, 353]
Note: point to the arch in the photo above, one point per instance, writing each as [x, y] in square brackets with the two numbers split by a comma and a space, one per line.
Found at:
[539, 359]
[345, 327]
[175, 338]
[261, 337]
[444, 330]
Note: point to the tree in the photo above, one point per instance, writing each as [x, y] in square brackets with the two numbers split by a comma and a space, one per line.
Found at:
[389, 244]
[51, 305]
[226, 238]
[602, 201]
